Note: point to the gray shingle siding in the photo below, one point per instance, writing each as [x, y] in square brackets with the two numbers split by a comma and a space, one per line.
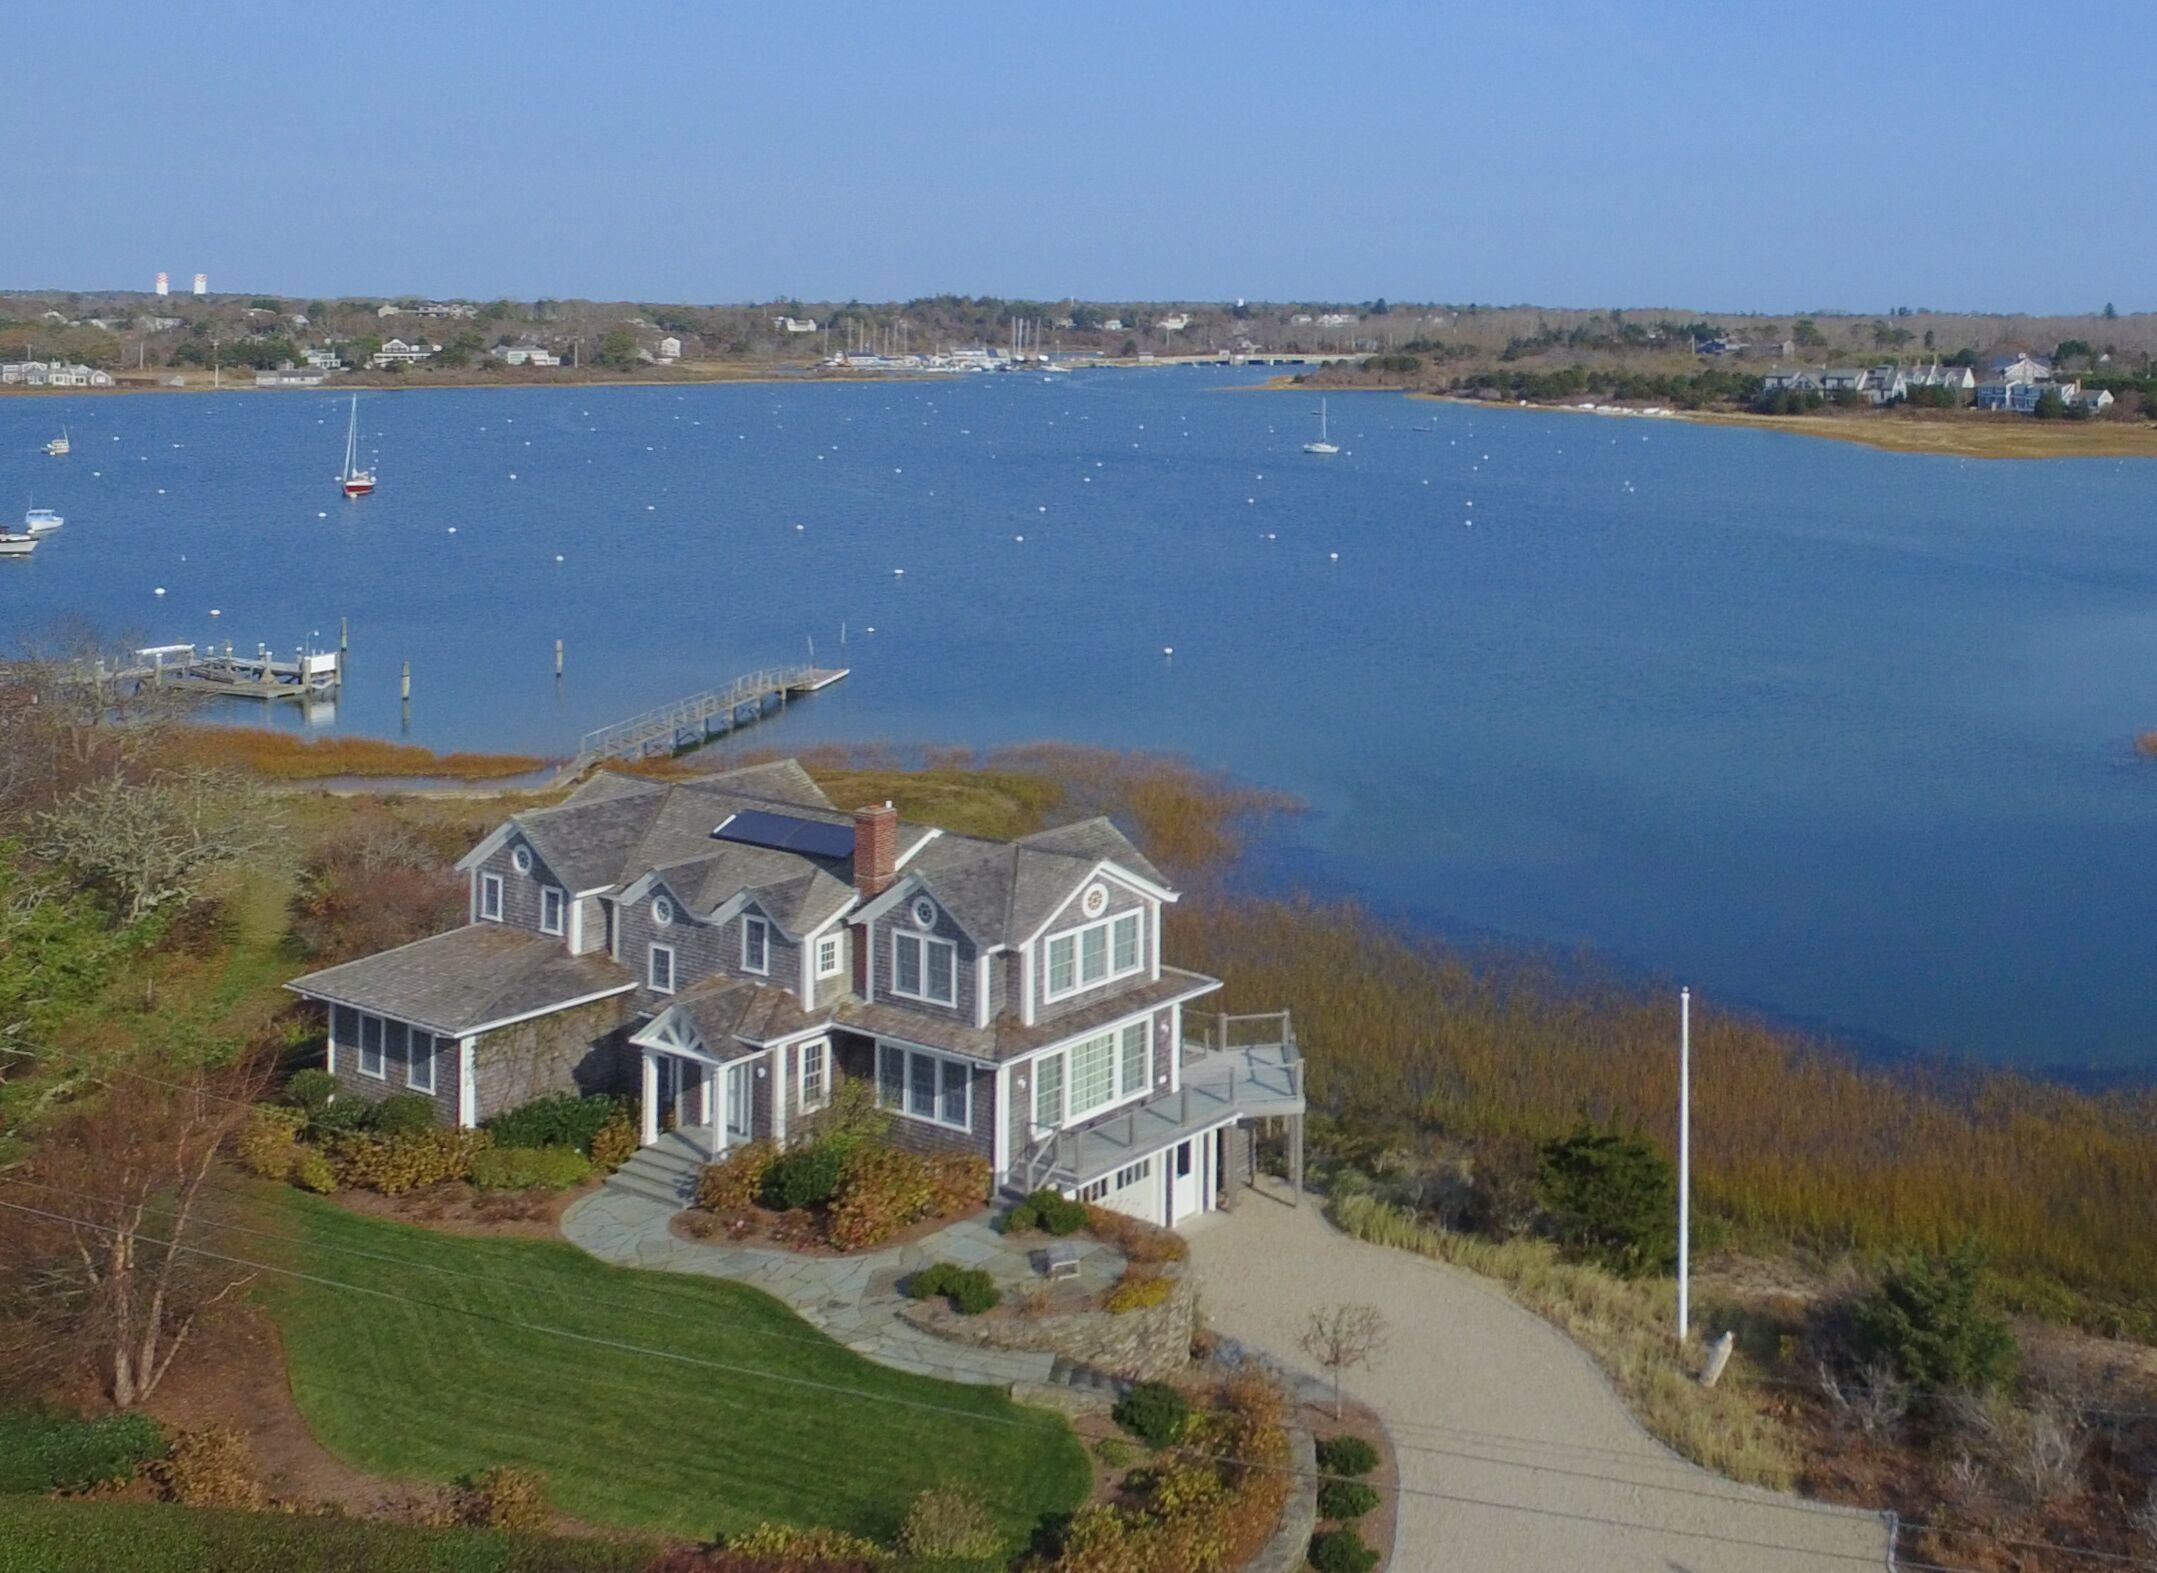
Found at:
[700, 951]
[520, 892]
[856, 1056]
[396, 1075]
[901, 921]
[580, 1050]
[822, 991]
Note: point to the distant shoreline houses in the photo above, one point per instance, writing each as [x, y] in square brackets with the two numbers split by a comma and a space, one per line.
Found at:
[52, 374]
[2013, 382]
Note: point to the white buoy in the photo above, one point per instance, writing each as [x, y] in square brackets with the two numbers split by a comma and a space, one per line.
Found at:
[214, 612]
[319, 514]
[1335, 556]
[1018, 537]
[557, 556]
[1168, 649]
[453, 529]
[160, 590]
[801, 527]
[512, 474]
[899, 573]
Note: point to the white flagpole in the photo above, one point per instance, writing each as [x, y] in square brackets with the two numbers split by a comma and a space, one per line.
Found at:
[1685, 1156]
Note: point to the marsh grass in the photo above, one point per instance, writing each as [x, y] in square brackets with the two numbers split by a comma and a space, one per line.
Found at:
[1624, 1324]
[1794, 1143]
[283, 756]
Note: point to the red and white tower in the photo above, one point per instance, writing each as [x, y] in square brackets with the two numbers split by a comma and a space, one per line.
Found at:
[202, 283]
[164, 285]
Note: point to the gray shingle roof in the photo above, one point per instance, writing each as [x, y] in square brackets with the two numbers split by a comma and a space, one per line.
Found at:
[472, 977]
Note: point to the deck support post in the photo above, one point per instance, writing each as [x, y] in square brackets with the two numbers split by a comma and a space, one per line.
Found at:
[1295, 1158]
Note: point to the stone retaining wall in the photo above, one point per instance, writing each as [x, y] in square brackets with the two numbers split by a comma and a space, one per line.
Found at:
[1154, 1341]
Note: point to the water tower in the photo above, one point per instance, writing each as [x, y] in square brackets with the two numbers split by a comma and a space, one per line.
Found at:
[202, 283]
[164, 285]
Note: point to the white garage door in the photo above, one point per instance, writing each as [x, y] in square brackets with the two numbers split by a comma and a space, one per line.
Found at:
[1133, 1189]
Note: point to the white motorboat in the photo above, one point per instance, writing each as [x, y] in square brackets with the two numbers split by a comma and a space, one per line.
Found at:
[16, 545]
[60, 447]
[41, 521]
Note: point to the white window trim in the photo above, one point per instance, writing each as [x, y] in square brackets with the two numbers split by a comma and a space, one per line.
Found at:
[752, 921]
[561, 910]
[837, 942]
[381, 1047]
[907, 1056]
[651, 957]
[924, 941]
[1066, 1120]
[433, 1048]
[801, 1074]
[490, 885]
[1079, 985]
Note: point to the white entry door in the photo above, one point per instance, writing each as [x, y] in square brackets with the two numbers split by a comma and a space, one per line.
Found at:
[1186, 1184]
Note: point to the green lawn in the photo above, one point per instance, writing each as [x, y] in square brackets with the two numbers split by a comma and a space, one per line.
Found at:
[802, 1430]
[43, 1535]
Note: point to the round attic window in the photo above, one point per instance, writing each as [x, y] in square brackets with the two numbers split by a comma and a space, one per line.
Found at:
[521, 860]
[924, 913]
[662, 911]
[1095, 901]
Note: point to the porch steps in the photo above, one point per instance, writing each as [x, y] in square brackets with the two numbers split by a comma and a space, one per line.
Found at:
[1085, 1378]
[665, 1172]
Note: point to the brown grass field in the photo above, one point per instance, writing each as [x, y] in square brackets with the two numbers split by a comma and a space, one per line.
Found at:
[285, 756]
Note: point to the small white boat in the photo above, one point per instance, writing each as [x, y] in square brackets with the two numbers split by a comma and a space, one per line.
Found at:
[41, 521]
[16, 545]
[1322, 445]
[355, 481]
[60, 447]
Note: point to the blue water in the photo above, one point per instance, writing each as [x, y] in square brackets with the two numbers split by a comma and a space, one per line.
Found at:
[1842, 734]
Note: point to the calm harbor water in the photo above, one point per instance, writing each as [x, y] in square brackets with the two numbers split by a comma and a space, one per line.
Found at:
[1842, 734]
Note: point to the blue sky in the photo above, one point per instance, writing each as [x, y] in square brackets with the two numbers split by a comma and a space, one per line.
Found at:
[1977, 157]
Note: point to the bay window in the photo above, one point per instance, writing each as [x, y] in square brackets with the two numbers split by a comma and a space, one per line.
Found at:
[1084, 957]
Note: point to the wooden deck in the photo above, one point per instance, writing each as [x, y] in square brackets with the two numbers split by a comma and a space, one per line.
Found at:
[190, 669]
[697, 719]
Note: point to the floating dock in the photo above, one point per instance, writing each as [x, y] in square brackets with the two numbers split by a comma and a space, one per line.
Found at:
[686, 723]
[190, 669]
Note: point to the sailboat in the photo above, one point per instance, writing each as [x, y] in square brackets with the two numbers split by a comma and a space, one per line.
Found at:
[1322, 445]
[356, 481]
[60, 447]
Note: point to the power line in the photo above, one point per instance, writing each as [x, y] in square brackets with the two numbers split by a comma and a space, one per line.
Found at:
[844, 1390]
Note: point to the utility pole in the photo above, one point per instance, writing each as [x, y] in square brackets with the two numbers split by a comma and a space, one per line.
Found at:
[1685, 1158]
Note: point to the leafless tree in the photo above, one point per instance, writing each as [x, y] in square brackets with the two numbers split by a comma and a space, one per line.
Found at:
[1873, 1400]
[147, 843]
[1342, 1337]
[65, 719]
[103, 1226]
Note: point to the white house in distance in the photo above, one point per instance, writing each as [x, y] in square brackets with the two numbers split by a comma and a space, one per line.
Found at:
[399, 352]
[794, 324]
[526, 355]
[670, 349]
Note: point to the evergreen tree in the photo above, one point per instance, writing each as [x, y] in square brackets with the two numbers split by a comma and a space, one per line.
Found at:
[1612, 1199]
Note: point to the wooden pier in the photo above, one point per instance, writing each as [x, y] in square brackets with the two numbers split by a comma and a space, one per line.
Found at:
[190, 669]
[686, 723]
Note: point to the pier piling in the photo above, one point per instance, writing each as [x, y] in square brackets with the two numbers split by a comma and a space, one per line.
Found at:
[344, 634]
[557, 658]
[404, 683]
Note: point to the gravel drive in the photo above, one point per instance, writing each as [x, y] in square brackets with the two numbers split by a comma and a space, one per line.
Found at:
[1515, 1454]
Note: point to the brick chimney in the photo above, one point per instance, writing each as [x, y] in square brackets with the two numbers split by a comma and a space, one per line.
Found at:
[876, 850]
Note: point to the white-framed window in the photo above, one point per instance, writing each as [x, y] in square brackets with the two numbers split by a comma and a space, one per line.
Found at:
[923, 968]
[553, 908]
[1096, 1073]
[755, 945]
[371, 1048]
[419, 1061]
[831, 955]
[521, 860]
[924, 1086]
[815, 1074]
[1131, 1173]
[662, 910]
[924, 913]
[490, 897]
[1093, 1190]
[659, 973]
[1094, 953]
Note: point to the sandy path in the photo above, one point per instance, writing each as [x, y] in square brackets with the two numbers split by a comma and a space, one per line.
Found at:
[1536, 1466]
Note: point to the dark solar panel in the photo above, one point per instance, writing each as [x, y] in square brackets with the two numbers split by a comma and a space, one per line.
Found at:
[812, 838]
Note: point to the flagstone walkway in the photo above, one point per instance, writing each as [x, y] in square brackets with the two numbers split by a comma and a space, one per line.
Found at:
[855, 1299]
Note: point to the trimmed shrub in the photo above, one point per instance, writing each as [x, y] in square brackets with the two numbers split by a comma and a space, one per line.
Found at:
[407, 1114]
[267, 1144]
[503, 1498]
[396, 1164]
[733, 1182]
[352, 1114]
[970, 1290]
[958, 1181]
[49, 1450]
[1345, 1499]
[1115, 1453]
[615, 1142]
[788, 1545]
[1342, 1551]
[209, 1468]
[310, 1091]
[311, 1171]
[1346, 1455]
[1047, 1211]
[946, 1522]
[529, 1168]
[1136, 1291]
[559, 1120]
[805, 1177]
[1153, 1412]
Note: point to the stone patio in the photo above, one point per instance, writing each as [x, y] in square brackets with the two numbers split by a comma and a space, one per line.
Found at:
[855, 1299]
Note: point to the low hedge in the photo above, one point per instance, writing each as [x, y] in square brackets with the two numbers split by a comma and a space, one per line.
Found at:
[1154, 1412]
[732, 1183]
[969, 1289]
[406, 1114]
[396, 1164]
[60, 1535]
[1341, 1551]
[1346, 1455]
[1136, 1291]
[529, 1168]
[559, 1120]
[803, 1177]
[1047, 1211]
[53, 1450]
[1345, 1499]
